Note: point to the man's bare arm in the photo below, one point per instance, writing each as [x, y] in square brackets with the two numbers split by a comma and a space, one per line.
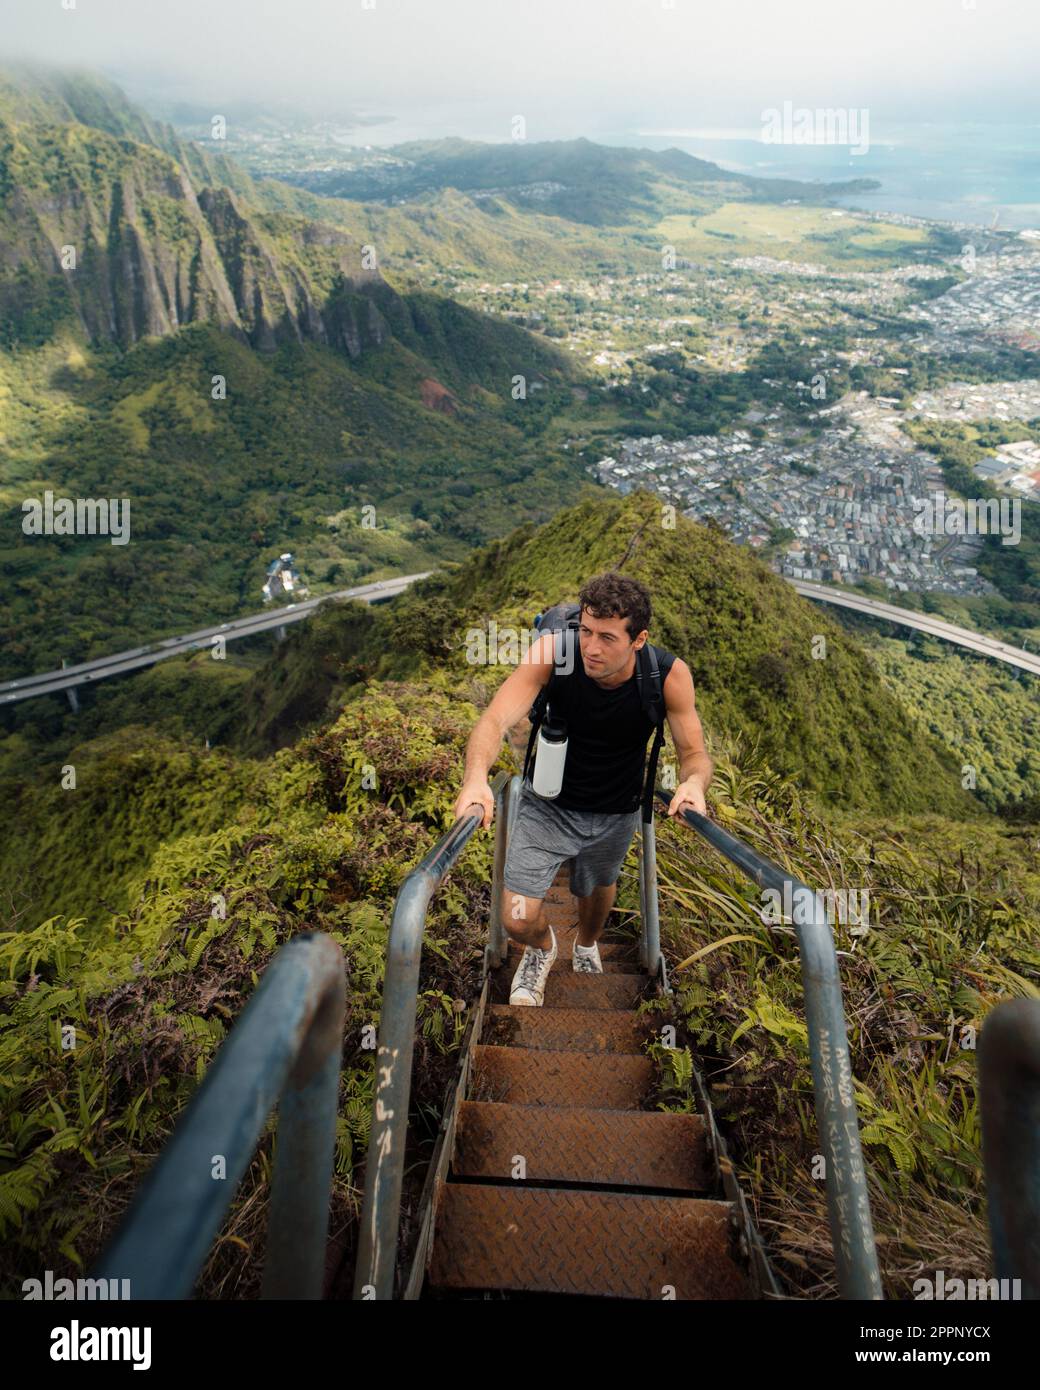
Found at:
[512, 701]
[696, 767]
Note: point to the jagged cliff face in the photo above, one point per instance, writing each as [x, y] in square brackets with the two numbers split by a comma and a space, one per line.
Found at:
[155, 250]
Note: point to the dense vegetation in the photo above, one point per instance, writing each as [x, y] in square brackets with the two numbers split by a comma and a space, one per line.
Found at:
[302, 443]
[981, 709]
[247, 780]
[152, 987]
[342, 391]
[952, 931]
[111, 887]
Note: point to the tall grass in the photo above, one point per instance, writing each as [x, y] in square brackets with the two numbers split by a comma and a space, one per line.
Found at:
[952, 930]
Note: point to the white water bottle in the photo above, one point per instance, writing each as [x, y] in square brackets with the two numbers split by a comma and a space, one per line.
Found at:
[551, 756]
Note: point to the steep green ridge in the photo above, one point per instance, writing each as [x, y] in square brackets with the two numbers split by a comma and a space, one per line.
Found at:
[168, 233]
[43, 94]
[746, 635]
[113, 885]
[749, 642]
[153, 252]
[341, 393]
[193, 234]
[468, 202]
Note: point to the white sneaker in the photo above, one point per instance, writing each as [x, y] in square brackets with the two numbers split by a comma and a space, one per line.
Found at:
[586, 960]
[528, 985]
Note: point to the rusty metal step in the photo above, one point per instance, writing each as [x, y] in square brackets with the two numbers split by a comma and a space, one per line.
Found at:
[529, 1076]
[561, 912]
[602, 1244]
[566, 1030]
[616, 1148]
[566, 990]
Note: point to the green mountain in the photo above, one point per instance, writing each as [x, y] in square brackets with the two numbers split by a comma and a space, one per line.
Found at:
[249, 781]
[167, 233]
[110, 886]
[575, 179]
[746, 635]
[237, 374]
[104, 228]
[66, 136]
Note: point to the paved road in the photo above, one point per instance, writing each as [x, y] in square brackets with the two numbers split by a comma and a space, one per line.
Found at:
[88, 672]
[924, 622]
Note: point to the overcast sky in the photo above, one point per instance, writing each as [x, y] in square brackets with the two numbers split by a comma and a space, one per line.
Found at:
[570, 67]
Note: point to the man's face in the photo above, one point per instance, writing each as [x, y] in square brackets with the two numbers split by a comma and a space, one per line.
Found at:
[605, 644]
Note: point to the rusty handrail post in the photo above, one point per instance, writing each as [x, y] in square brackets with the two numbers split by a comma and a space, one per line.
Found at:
[848, 1203]
[1009, 1091]
[384, 1170]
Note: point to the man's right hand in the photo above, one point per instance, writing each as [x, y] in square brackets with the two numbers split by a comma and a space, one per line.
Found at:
[481, 793]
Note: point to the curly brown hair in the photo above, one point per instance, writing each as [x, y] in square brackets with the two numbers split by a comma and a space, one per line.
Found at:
[614, 595]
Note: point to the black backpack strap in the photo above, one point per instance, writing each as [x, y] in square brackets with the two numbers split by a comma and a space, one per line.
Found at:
[651, 775]
[649, 683]
[651, 695]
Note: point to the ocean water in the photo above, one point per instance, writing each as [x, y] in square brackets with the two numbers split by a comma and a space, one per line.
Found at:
[986, 175]
[982, 174]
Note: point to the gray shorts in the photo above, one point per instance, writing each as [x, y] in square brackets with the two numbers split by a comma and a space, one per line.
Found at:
[543, 835]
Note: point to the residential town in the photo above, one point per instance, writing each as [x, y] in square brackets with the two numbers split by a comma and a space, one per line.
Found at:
[847, 499]
[998, 302]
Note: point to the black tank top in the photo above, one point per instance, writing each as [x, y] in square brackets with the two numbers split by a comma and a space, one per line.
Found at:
[607, 735]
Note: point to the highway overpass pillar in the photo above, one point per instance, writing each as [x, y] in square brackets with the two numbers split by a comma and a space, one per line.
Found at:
[70, 691]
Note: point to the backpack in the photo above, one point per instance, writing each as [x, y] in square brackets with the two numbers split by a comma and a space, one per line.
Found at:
[565, 618]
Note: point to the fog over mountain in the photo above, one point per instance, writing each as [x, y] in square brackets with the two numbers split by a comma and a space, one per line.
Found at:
[604, 64]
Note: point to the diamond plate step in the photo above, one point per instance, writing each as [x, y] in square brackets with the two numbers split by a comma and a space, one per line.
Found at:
[566, 1030]
[561, 911]
[528, 1076]
[566, 990]
[593, 1243]
[617, 1148]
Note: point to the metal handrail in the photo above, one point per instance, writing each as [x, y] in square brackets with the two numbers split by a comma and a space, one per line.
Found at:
[848, 1203]
[284, 1050]
[384, 1171]
[1009, 1091]
[650, 956]
[498, 938]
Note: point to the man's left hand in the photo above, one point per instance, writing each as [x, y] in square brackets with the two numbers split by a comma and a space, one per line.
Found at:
[688, 795]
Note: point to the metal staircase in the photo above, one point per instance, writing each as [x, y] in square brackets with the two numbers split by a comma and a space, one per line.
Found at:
[553, 1173]
[562, 1179]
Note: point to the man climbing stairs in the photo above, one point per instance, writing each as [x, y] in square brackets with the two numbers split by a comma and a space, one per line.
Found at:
[561, 1180]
